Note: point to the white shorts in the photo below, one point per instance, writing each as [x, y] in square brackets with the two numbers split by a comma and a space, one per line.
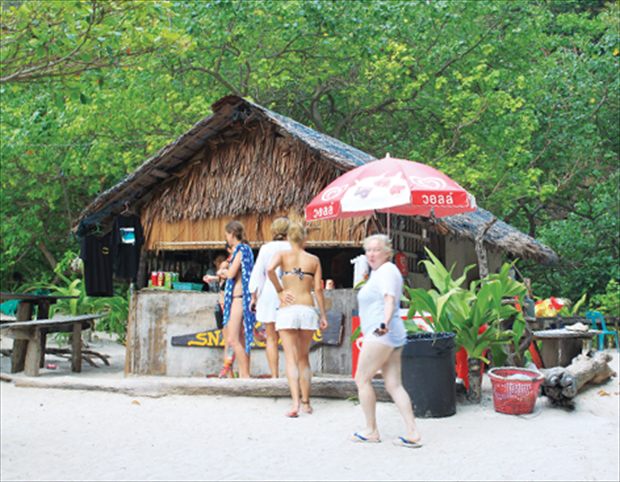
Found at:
[297, 317]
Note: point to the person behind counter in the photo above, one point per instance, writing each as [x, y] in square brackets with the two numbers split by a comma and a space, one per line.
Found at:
[384, 337]
[213, 281]
[238, 317]
[264, 295]
[297, 319]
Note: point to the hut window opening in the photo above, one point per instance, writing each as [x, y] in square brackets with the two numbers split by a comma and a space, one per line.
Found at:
[336, 264]
[191, 265]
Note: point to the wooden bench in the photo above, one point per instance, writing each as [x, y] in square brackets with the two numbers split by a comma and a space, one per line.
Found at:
[34, 333]
[560, 346]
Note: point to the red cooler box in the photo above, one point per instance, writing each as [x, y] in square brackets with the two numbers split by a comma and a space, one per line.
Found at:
[357, 343]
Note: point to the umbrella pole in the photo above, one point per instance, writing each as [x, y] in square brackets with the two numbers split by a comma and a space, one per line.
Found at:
[388, 223]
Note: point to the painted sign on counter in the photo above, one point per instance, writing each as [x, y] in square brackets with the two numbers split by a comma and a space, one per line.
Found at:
[214, 338]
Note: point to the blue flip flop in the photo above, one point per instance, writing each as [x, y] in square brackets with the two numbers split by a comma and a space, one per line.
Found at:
[403, 442]
[356, 437]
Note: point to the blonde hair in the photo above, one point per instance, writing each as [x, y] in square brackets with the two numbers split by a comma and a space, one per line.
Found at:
[280, 227]
[384, 242]
[297, 233]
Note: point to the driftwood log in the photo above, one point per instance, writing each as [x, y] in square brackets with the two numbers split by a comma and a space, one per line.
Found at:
[561, 384]
[156, 386]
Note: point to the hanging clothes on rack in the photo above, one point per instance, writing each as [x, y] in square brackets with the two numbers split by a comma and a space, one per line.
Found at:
[97, 256]
[127, 241]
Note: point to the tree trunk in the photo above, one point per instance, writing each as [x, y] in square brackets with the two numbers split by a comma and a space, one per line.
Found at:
[47, 253]
[474, 394]
[483, 263]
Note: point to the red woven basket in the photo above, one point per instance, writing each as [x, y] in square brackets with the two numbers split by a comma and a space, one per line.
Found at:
[512, 393]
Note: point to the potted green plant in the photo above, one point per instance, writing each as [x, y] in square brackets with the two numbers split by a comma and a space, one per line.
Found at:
[473, 314]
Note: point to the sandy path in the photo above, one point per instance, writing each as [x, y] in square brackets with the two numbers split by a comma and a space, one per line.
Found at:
[52, 434]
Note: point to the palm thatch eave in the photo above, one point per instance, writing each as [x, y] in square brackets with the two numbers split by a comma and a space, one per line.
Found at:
[501, 236]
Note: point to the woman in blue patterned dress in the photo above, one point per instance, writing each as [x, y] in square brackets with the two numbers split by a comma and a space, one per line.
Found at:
[238, 318]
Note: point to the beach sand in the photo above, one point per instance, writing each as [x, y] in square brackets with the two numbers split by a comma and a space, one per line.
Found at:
[55, 434]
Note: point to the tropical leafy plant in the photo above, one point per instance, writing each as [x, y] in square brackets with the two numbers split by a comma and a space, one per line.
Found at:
[116, 308]
[465, 312]
[79, 304]
[117, 311]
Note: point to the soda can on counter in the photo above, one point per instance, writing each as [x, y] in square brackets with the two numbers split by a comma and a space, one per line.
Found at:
[154, 278]
[160, 278]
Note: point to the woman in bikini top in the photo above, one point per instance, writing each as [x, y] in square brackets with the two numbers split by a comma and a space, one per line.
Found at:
[296, 319]
[299, 272]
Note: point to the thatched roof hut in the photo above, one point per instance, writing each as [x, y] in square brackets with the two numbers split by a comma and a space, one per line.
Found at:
[248, 163]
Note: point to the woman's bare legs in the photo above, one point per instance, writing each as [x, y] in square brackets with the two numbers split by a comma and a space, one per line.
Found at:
[304, 341]
[236, 337]
[290, 344]
[230, 373]
[271, 348]
[372, 357]
[393, 384]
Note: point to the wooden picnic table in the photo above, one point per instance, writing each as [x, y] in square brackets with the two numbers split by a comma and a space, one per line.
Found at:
[560, 345]
[32, 332]
[22, 345]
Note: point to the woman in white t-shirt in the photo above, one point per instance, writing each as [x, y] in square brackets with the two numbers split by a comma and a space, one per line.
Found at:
[384, 336]
[264, 296]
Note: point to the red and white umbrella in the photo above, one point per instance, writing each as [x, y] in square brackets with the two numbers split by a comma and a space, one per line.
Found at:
[391, 185]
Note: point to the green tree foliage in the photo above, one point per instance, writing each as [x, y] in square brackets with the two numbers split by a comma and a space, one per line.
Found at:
[587, 242]
[43, 39]
[70, 130]
[518, 101]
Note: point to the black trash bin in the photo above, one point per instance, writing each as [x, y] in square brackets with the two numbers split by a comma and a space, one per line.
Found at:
[429, 375]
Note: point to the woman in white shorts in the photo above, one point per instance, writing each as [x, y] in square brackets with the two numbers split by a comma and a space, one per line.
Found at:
[297, 319]
[384, 336]
[264, 296]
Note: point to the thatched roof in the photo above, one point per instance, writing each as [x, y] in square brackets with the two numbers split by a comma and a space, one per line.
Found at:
[228, 113]
[244, 158]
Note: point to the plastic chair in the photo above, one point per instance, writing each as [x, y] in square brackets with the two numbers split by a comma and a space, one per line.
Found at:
[596, 317]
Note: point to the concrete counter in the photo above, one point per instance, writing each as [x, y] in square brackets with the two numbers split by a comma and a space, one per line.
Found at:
[155, 316]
